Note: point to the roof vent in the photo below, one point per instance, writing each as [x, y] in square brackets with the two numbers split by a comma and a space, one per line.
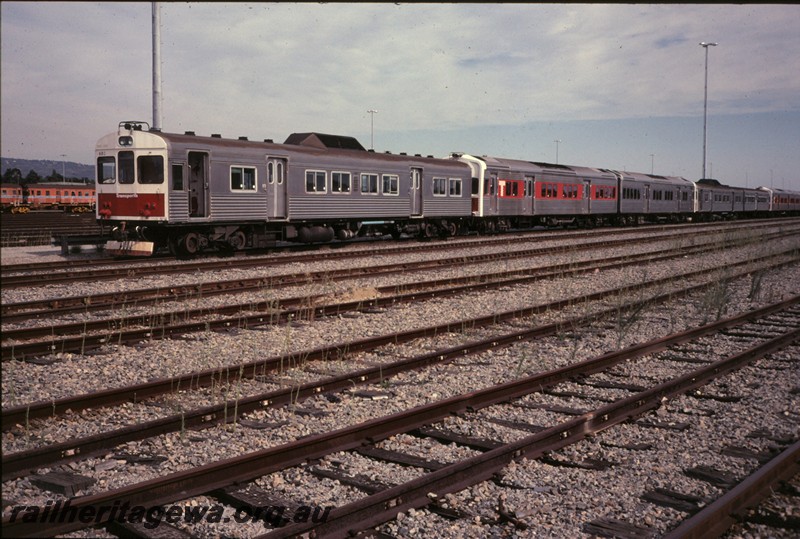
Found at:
[216, 135]
[430, 156]
[403, 153]
[242, 138]
[190, 133]
[417, 155]
[268, 140]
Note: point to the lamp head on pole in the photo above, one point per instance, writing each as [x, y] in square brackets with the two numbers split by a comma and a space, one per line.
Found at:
[708, 44]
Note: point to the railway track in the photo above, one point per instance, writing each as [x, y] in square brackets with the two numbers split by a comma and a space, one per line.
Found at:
[440, 420]
[89, 335]
[22, 275]
[331, 375]
[15, 312]
[39, 227]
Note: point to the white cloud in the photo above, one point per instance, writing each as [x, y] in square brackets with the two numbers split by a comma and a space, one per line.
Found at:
[71, 71]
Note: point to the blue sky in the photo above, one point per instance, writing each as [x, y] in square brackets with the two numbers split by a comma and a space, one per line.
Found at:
[621, 86]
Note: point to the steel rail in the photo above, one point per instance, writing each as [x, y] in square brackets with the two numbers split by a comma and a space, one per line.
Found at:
[18, 312]
[20, 463]
[715, 519]
[460, 242]
[15, 281]
[237, 285]
[383, 506]
[85, 342]
[152, 320]
[16, 415]
[114, 273]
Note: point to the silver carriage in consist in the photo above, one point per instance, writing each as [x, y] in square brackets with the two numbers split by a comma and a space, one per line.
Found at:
[188, 192]
[715, 200]
[510, 193]
[650, 197]
[780, 201]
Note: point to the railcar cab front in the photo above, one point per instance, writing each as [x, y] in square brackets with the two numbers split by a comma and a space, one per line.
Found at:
[131, 186]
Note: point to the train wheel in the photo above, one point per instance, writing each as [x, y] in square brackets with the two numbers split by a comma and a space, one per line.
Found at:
[237, 240]
[452, 229]
[190, 243]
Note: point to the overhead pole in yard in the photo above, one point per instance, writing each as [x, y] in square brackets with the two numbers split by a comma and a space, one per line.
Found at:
[156, 66]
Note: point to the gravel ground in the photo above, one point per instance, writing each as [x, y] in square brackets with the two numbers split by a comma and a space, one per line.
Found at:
[556, 504]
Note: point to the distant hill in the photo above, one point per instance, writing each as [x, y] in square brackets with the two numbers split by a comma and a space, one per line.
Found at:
[44, 168]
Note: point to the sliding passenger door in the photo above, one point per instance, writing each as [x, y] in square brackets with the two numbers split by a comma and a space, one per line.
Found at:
[276, 188]
[198, 184]
[415, 192]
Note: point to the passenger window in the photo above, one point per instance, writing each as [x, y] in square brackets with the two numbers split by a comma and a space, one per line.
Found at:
[106, 170]
[315, 181]
[126, 167]
[243, 179]
[455, 187]
[391, 184]
[280, 173]
[177, 177]
[340, 182]
[151, 169]
[369, 184]
[439, 187]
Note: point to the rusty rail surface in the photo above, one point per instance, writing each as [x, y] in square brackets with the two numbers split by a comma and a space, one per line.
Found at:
[17, 414]
[84, 342]
[384, 506]
[714, 519]
[23, 462]
[381, 507]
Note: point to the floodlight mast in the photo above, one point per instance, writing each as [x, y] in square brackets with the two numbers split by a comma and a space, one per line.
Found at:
[705, 45]
[156, 66]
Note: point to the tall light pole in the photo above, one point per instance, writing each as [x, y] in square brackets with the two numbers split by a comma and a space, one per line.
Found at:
[372, 113]
[705, 45]
[156, 66]
[64, 167]
[557, 141]
[652, 162]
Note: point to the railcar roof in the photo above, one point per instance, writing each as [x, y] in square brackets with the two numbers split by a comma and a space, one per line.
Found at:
[534, 166]
[655, 178]
[309, 143]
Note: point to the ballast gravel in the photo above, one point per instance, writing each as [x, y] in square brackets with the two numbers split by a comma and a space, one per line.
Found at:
[554, 504]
